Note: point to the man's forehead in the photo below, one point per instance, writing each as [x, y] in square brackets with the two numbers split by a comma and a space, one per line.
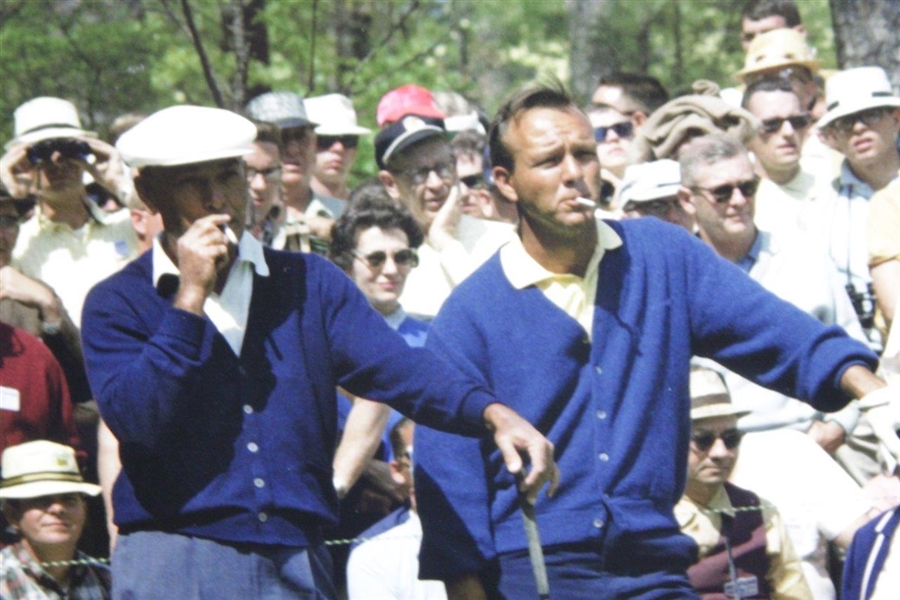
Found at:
[210, 166]
[545, 124]
[763, 25]
[770, 101]
[724, 171]
[606, 116]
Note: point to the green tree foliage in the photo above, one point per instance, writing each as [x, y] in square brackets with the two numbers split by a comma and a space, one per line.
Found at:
[117, 56]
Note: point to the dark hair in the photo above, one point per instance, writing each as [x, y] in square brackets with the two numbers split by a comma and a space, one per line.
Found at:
[374, 210]
[757, 10]
[645, 92]
[766, 85]
[551, 94]
[268, 133]
[468, 142]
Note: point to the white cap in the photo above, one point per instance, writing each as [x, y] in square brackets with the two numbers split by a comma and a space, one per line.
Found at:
[710, 397]
[650, 181]
[47, 118]
[335, 115]
[184, 135]
[42, 468]
[856, 90]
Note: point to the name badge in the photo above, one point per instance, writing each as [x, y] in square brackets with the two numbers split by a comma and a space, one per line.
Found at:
[746, 586]
[9, 399]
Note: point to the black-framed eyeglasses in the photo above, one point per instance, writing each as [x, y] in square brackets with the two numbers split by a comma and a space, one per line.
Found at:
[270, 174]
[623, 129]
[419, 175]
[402, 258]
[798, 123]
[869, 118]
[704, 440]
[474, 181]
[324, 142]
[723, 193]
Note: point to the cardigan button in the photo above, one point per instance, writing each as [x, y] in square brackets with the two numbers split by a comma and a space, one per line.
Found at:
[263, 517]
[604, 457]
[598, 523]
[598, 370]
[601, 414]
[252, 447]
[259, 482]
[248, 410]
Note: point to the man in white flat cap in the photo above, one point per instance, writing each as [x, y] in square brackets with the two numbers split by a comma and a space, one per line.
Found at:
[43, 498]
[337, 137]
[651, 190]
[215, 363]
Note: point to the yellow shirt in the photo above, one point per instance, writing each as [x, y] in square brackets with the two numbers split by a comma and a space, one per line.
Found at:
[70, 260]
[703, 524]
[572, 294]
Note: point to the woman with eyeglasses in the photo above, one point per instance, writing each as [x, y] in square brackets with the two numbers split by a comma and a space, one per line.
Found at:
[374, 242]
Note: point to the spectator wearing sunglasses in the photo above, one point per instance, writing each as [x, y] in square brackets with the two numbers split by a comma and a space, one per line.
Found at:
[791, 198]
[614, 134]
[742, 541]
[474, 172]
[862, 123]
[337, 138]
[718, 189]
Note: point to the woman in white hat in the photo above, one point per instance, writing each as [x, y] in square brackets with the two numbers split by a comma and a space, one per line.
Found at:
[42, 495]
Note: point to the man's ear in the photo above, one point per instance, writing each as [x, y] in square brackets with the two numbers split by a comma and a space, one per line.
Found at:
[390, 184]
[144, 188]
[502, 179]
[638, 117]
[828, 139]
[686, 199]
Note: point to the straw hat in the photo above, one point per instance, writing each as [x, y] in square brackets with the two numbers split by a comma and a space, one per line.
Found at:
[42, 468]
[335, 115]
[47, 118]
[778, 49]
[856, 90]
[710, 397]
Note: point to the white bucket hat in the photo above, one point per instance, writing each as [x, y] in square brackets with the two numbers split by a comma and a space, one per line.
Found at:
[335, 115]
[42, 468]
[184, 135]
[47, 118]
[856, 90]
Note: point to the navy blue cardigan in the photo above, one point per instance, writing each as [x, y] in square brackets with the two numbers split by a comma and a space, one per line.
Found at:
[617, 409]
[240, 448]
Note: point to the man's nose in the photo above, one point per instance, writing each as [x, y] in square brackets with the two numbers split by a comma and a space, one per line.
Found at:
[572, 169]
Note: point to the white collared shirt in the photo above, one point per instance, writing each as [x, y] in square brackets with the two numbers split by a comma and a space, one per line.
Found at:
[229, 310]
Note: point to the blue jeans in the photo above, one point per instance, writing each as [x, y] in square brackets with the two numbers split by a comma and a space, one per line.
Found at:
[151, 565]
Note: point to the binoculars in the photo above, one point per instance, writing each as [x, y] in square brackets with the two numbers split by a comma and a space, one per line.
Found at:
[67, 147]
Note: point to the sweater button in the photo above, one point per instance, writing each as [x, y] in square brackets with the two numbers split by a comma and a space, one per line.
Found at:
[258, 482]
[598, 523]
[601, 414]
[263, 517]
[252, 447]
[598, 370]
[248, 410]
[604, 457]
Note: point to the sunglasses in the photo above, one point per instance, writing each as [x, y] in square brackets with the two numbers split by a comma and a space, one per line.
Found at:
[704, 440]
[624, 130]
[402, 258]
[270, 174]
[67, 148]
[724, 193]
[868, 118]
[474, 182]
[798, 122]
[799, 74]
[324, 142]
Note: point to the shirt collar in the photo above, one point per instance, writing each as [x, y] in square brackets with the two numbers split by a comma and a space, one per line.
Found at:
[396, 318]
[250, 250]
[747, 261]
[848, 178]
[522, 270]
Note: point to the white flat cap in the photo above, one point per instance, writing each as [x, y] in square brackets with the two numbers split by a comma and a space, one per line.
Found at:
[184, 135]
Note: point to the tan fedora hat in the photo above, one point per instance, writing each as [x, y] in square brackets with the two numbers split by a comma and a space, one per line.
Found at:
[42, 468]
[47, 118]
[710, 397]
[778, 49]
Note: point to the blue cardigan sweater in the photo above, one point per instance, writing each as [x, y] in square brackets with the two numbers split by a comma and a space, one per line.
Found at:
[617, 409]
[239, 448]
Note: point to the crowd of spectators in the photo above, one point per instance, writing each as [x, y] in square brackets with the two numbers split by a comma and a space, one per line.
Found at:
[200, 318]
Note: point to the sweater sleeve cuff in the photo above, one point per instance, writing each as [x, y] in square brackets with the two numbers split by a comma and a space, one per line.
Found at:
[185, 329]
[473, 407]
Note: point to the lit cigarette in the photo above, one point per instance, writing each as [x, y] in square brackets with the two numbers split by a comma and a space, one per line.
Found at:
[229, 233]
[586, 202]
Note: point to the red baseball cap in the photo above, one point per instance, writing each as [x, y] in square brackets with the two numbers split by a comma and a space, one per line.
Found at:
[406, 100]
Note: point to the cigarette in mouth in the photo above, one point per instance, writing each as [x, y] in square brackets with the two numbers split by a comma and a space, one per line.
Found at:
[586, 202]
[229, 233]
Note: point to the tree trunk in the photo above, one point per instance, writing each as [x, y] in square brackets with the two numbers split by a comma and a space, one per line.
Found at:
[591, 54]
[865, 34]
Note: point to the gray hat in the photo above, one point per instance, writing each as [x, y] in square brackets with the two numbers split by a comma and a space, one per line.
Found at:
[184, 135]
[284, 109]
[710, 397]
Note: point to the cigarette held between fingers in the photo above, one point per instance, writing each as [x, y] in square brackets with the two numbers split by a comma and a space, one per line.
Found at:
[229, 233]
